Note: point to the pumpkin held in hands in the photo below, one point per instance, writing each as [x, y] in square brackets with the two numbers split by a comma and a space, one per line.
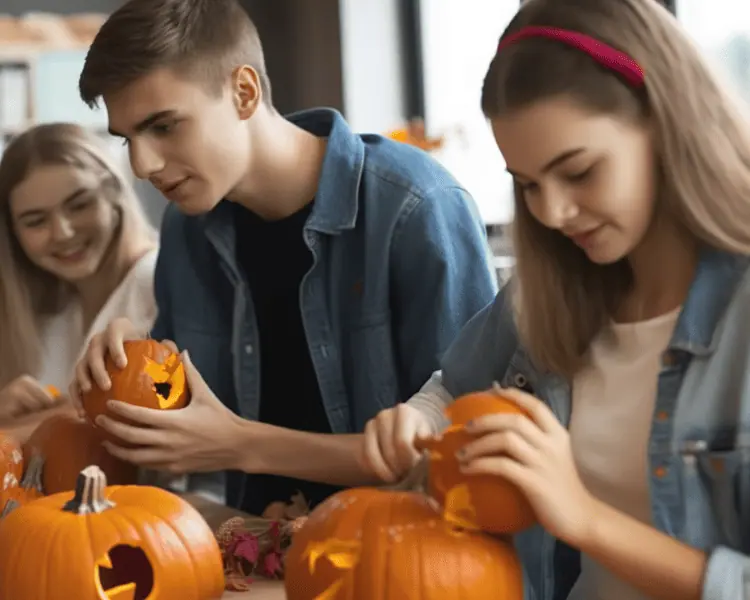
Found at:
[486, 502]
[67, 444]
[153, 378]
[368, 544]
[11, 462]
[130, 543]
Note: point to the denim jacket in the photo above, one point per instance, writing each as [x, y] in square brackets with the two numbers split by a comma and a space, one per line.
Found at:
[401, 263]
[699, 447]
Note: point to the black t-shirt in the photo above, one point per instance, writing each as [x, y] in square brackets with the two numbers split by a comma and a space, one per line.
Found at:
[274, 258]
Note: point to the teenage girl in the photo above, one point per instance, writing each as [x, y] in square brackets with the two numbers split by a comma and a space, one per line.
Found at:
[625, 332]
[75, 252]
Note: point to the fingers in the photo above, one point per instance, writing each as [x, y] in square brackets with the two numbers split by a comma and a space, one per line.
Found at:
[539, 412]
[137, 436]
[95, 363]
[171, 345]
[500, 422]
[194, 379]
[372, 456]
[31, 396]
[504, 443]
[92, 367]
[389, 449]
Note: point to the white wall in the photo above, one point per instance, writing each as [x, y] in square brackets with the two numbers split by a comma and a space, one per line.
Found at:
[460, 38]
[373, 72]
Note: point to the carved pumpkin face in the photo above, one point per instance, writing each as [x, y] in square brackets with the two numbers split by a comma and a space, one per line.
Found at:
[67, 444]
[11, 462]
[153, 378]
[484, 502]
[366, 544]
[130, 543]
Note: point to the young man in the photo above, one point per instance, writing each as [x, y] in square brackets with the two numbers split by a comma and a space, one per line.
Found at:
[313, 275]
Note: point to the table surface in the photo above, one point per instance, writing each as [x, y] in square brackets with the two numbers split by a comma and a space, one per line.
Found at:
[215, 514]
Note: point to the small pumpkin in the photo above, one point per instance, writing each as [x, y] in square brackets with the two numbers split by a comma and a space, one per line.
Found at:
[109, 543]
[11, 462]
[368, 544]
[28, 489]
[484, 502]
[153, 378]
[68, 444]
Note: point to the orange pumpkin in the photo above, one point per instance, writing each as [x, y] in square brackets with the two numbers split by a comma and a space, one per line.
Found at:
[28, 489]
[367, 544]
[68, 444]
[153, 378]
[484, 502]
[11, 462]
[128, 543]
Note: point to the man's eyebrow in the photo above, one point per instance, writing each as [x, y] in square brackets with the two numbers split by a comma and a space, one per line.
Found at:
[145, 123]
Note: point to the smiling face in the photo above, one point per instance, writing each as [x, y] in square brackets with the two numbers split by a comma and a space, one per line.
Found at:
[63, 220]
[589, 176]
[191, 145]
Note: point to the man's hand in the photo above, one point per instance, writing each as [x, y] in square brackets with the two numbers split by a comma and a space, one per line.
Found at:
[204, 436]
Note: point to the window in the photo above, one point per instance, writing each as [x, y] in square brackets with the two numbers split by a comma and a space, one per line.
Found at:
[722, 29]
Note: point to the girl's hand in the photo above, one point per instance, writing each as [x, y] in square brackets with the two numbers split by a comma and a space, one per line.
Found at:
[534, 454]
[25, 395]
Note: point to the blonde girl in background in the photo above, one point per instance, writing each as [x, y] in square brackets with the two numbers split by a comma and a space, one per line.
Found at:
[76, 251]
[625, 331]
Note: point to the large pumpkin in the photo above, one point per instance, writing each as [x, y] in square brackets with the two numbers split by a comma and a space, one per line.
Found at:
[153, 378]
[109, 543]
[366, 544]
[68, 444]
[484, 502]
[11, 462]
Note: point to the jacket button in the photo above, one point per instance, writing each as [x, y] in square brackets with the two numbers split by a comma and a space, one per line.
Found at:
[248, 349]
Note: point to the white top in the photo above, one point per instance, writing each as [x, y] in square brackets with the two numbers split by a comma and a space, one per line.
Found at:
[64, 339]
[613, 406]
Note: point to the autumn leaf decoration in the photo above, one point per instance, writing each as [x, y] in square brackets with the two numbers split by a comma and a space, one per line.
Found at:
[255, 546]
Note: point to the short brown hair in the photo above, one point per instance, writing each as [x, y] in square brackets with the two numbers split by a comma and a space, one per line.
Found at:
[204, 39]
[701, 138]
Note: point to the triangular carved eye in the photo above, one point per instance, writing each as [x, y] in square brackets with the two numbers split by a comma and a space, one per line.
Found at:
[125, 573]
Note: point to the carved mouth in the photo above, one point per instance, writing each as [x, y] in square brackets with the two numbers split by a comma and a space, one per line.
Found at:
[125, 573]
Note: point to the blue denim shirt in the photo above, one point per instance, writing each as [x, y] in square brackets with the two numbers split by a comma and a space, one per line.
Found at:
[699, 448]
[401, 263]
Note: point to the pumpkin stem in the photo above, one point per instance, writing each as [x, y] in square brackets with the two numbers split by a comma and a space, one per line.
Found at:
[497, 388]
[9, 507]
[89, 497]
[32, 479]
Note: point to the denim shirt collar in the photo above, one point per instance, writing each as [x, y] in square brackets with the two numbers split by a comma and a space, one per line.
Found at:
[337, 196]
[716, 278]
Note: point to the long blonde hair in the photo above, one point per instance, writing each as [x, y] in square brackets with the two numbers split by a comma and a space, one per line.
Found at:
[561, 299]
[28, 293]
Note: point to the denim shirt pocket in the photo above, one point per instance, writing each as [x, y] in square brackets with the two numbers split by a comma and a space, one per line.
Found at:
[370, 367]
[716, 482]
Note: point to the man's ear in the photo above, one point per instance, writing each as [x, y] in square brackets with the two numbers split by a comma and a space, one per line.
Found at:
[246, 91]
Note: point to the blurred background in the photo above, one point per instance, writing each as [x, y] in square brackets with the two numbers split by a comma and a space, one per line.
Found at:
[382, 63]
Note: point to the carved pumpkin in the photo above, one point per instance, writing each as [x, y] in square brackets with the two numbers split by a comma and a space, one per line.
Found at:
[129, 543]
[484, 502]
[367, 544]
[11, 462]
[153, 378]
[68, 444]
[28, 489]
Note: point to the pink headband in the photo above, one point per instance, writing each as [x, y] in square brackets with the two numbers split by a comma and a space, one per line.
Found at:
[613, 59]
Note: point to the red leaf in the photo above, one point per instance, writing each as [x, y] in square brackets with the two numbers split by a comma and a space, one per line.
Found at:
[245, 545]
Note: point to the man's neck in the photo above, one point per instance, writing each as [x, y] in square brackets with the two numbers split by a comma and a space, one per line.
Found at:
[284, 175]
